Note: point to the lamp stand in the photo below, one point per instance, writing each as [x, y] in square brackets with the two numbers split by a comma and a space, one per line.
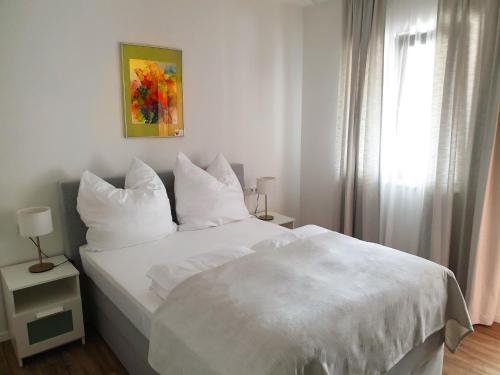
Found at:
[40, 266]
[266, 217]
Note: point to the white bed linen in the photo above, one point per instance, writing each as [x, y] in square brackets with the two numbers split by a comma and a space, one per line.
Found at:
[121, 274]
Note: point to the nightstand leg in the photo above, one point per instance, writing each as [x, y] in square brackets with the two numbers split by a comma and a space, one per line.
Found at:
[83, 340]
[20, 360]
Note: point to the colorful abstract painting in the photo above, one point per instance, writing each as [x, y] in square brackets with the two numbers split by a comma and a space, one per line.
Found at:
[152, 82]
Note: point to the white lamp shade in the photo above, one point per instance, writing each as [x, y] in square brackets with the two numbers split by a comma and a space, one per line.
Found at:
[34, 221]
[265, 185]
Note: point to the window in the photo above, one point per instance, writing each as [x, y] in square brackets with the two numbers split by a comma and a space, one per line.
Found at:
[407, 110]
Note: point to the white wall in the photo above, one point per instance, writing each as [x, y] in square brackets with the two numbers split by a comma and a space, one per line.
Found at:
[61, 99]
[322, 46]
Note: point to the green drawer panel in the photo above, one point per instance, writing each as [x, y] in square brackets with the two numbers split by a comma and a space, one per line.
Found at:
[50, 326]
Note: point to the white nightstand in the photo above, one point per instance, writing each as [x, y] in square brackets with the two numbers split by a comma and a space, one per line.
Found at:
[279, 219]
[44, 310]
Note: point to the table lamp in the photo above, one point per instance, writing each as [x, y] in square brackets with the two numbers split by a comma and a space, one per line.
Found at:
[34, 222]
[264, 187]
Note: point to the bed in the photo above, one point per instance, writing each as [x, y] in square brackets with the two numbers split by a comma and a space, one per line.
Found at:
[118, 302]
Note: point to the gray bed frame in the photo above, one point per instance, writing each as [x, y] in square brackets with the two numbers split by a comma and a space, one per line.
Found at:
[128, 343]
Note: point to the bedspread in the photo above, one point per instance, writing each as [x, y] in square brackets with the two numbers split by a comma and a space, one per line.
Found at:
[328, 304]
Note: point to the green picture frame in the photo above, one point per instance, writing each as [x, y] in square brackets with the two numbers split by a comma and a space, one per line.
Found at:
[152, 91]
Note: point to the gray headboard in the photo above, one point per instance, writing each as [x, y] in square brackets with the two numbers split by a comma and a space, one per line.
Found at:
[74, 229]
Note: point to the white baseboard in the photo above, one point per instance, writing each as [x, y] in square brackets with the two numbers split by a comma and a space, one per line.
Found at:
[4, 336]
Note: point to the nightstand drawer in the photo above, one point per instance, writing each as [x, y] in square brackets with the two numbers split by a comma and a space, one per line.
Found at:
[57, 324]
[50, 326]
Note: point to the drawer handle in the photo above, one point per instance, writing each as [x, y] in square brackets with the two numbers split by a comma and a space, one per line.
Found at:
[49, 312]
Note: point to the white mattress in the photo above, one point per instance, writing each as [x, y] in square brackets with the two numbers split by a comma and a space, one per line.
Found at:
[121, 274]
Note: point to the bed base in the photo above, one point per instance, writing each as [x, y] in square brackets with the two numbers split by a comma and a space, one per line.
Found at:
[124, 339]
[425, 359]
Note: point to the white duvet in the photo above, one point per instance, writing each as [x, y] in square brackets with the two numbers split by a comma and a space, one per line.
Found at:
[326, 304]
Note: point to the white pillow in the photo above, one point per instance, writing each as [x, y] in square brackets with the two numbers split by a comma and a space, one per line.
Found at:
[118, 218]
[207, 198]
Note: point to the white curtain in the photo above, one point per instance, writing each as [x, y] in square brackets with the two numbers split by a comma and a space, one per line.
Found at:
[407, 137]
[411, 132]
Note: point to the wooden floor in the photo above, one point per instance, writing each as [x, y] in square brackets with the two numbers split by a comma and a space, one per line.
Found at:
[478, 355]
[93, 358]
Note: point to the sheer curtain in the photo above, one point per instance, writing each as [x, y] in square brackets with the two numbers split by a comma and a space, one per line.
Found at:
[383, 143]
[407, 138]
[411, 131]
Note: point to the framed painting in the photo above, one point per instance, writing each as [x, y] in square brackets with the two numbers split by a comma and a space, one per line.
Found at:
[152, 91]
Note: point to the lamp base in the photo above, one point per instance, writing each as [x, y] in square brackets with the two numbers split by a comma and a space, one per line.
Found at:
[266, 217]
[41, 267]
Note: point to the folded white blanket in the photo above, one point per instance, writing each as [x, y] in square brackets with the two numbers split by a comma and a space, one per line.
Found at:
[165, 277]
[329, 304]
[288, 237]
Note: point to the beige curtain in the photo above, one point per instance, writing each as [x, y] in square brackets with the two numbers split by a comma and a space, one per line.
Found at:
[484, 304]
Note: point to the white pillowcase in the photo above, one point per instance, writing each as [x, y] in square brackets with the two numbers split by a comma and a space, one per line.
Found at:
[165, 277]
[118, 218]
[207, 198]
